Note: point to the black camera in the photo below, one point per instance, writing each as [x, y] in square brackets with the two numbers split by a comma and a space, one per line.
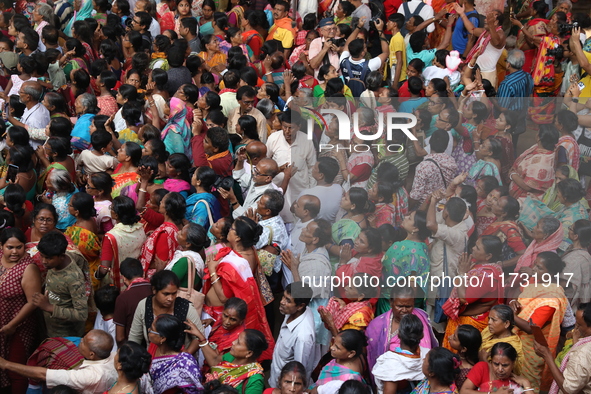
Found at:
[338, 42]
[224, 182]
[567, 28]
[557, 52]
[374, 19]
[128, 22]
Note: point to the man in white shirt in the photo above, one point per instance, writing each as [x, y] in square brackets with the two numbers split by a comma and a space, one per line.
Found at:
[426, 12]
[324, 172]
[246, 96]
[305, 209]
[242, 172]
[262, 179]
[35, 115]
[291, 147]
[297, 339]
[96, 374]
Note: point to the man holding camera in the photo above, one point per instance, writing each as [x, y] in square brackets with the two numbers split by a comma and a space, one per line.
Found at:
[322, 49]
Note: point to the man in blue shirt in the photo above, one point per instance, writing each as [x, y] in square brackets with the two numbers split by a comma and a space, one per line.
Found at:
[515, 90]
[460, 37]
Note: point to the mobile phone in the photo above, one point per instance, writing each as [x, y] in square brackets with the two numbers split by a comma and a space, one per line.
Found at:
[6, 110]
[538, 334]
[581, 86]
[11, 173]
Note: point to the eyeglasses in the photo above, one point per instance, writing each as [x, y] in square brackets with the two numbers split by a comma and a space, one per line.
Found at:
[154, 332]
[256, 171]
[443, 120]
[45, 220]
[434, 103]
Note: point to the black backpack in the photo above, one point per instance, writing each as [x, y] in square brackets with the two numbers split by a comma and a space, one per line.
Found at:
[481, 18]
[355, 80]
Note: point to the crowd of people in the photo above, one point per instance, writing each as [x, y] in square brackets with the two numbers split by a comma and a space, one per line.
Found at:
[176, 212]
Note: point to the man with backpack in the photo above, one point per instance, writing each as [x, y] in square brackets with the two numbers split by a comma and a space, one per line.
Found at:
[461, 36]
[416, 7]
[354, 67]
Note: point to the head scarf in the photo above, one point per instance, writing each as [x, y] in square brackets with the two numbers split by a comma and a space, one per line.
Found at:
[84, 12]
[177, 120]
[549, 244]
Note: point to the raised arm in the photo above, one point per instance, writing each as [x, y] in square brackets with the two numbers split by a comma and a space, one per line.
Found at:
[448, 32]
[385, 48]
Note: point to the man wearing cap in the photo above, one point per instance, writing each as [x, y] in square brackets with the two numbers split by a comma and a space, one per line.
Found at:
[322, 50]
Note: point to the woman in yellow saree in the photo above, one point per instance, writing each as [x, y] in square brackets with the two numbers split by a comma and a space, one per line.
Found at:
[500, 329]
[543, 304]
[83, 232]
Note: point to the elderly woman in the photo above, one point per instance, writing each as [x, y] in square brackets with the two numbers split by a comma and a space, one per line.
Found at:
[496, 374]
[506, 211]
[382, 332]
[225, 331]
[543, 304]
[500, 329]
[547, 236]
[60, 189]
[86, 108]
[471, 304]
[533, 171]
[570, 194]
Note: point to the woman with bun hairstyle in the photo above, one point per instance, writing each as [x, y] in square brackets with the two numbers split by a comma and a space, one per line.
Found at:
[122, 241]
[131, 362]
[84, 232]
[441, 367]
[347, 351]
[172, 369]
[229, 274]
[401, 365]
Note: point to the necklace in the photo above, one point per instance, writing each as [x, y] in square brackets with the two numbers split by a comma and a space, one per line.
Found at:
[123, 389]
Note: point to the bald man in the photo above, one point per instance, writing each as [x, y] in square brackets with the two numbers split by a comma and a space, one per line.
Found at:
[35, 115]
[246, 157]
[262, 179]
[305, 209]
[96, 374]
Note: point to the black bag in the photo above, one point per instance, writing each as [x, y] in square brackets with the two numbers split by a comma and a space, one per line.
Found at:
[408, 15]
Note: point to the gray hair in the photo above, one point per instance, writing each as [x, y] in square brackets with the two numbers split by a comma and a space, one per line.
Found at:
[505, 313]
[60, 180]
[307, 92]
[89, 103]
[516, 59]
[366, 116]
[511, 42]
[549, 224]
[266, 106]
[275, 201]
[46, 13]
[33, 89]
[567, 2]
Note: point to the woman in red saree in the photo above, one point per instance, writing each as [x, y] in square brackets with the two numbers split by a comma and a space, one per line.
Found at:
[533, 171]
[365, 257]
[470, 304]
[532, 33]
[162, 243]
[228, 274]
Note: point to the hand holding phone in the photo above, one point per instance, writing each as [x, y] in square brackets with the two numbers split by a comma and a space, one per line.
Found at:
[11, 173]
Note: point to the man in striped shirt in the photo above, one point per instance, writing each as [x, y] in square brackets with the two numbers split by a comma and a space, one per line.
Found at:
[515, 90]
